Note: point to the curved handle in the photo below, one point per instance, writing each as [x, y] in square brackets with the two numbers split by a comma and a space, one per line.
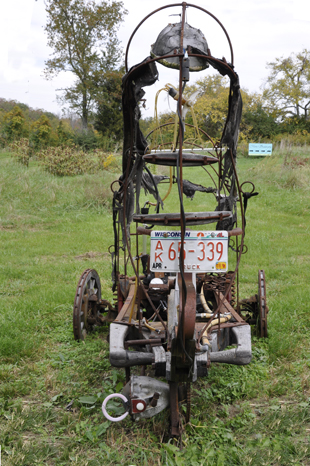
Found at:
[105, 413]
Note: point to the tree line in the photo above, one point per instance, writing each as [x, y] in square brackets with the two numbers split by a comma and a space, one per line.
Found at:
[45, 129]
[82, 35]
[280, 110]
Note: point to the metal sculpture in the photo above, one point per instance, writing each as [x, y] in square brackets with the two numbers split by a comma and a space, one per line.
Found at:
[180, 307]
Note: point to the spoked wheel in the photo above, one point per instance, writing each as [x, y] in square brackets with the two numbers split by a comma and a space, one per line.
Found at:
[254, 310]
[262, 306]
[87, 298]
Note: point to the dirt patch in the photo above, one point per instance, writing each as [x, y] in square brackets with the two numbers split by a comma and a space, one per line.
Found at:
[7, 227]
[91, 255]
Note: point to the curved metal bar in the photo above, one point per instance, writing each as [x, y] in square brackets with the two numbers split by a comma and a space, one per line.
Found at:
[140, 24]
[186, 124]
[247, 182]
[211, 58]
[174, 55]
[221, 25]
[104, 410]
[181, 5]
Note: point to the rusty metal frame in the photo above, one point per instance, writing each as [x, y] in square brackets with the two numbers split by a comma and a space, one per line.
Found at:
[188, 294]
[180, 349]
[184, 6]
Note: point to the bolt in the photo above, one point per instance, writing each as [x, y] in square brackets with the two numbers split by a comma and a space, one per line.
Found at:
[140, 406]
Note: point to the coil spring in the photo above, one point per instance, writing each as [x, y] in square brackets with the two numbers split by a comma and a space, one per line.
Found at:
[115, 300]
[214, 282]
[233, 299]
[220, 282]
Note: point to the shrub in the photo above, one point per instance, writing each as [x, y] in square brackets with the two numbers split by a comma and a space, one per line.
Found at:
[21, 150]
[70, 160]
[285, 140]
[86, 139]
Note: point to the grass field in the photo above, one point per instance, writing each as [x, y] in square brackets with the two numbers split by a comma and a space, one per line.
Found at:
[51, 229]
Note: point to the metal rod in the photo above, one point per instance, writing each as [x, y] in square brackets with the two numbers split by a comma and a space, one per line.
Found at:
[142, 342]
[173, 5]
[183, 292]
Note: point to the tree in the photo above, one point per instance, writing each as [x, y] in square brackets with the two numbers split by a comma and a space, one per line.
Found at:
[109, 117]
[42, 133]
[259, 123]
[211, 106]
[14, 124]
[64, 133]
[288, 87]
[210, 97]
[82, 34]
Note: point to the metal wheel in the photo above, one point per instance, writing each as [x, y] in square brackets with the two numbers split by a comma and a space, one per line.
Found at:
[262, 306]
[85, 309]
[255, 310]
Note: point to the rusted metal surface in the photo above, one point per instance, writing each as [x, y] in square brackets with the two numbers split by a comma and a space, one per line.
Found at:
[85, 306]
[226, 307]
[174, 410]
[235, 232]
[254, 310]
[154, 400]
[188, 159]
[125, 311]
[175, 219]
[189, 311]
[157, 319]
[263, 309]
[152, 341]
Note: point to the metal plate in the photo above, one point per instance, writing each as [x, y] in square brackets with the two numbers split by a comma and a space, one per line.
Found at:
[205, 251]
[174, 219]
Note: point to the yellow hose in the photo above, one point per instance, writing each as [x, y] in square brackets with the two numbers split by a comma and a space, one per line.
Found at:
[204, 303]
[166, 88]
[156, 117]
[196, 126]
[214, 322]
[147, 325]
[175, 132]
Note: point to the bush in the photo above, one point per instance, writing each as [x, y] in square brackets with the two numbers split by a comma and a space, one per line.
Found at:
[87, 140]
[21, 150]
[286, 140]
[70, 161]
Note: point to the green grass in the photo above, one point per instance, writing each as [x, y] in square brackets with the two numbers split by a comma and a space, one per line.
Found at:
[51, 229]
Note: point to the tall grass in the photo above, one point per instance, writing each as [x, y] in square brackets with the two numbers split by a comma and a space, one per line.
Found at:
[51, 229]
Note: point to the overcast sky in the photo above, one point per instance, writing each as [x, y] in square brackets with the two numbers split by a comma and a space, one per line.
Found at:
[260, 31]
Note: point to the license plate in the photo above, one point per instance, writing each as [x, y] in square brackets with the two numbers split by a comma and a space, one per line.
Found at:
[205, 251]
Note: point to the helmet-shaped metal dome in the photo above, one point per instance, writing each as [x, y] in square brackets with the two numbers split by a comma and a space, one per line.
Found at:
[169, 40]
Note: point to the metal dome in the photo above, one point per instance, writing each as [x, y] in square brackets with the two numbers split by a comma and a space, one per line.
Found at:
[168, 42]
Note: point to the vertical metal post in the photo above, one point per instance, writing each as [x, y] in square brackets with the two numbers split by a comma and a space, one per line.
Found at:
[182, 295]
[174, 409]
